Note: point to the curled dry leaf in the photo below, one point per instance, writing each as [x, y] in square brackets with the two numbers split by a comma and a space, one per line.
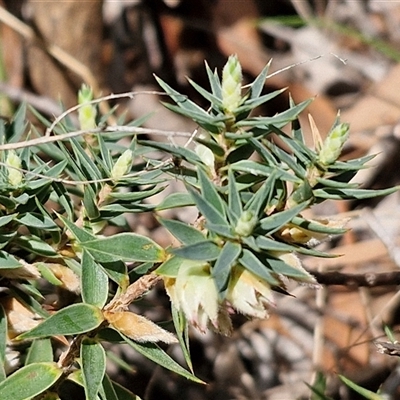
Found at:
[295, 234]
[19, 318]
[26, 271]
[138, 328]
[69, 279]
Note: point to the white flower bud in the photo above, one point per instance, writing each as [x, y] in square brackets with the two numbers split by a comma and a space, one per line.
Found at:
[231, 85]
[248, 293]
[333, 144]
[246, 224]
[194, 293]
[14, 175]
[87, 112]
[122, 166]
[294, 261]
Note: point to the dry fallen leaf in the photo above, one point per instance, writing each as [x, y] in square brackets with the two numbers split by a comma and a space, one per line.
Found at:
[19, 318]
[138, 327]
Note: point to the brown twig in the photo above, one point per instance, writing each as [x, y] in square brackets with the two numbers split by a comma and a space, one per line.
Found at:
[112, 96]
[134, 130]
[134, 291]
[368, 279]
[119, 303]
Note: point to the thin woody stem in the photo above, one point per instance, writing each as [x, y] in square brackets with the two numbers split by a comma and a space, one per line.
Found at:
[134, 130]
[134, 291]
[369, 279]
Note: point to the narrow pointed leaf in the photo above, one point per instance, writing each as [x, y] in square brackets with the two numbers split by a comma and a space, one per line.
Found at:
[29, 381]
[89, 197]
[136, 196]
[250, 104]
[365, 393]
[203, 251]
[280, 267]
[300, 151]
[182, 332]
[241, 152]
[81, 235]
[36, 246]
[93, 358]
[108, 389]
[222, 268]
[40, 351]
[39, 221]
[262, 196]
[25, 295]
[105, 153]
[239, 136]
[86, 163]
[359, 194]
[124, 247]
[123, 393]
[207, 209]
[268, 244]
[71, 320]
[18, 124]
[180, 99]
[275, 221]
[114, 210]
[159, 356]
[210, 192]
[3, 335]
[261, 170]
[234, 201]
[185, 233]
[287, 159]
[48, 274]
[317, 394]
[222, 230]
[213, 124]
[175, 200]
[214, 100]
[317, 227]
[212, 145]
[6, 219]
[264, 153]
[8, 261]
[170, 267]
[254, 265]
[114, 391]
[331, 183]
[258, 84]
[181, 152]
[302, 193]
[356, 164]
[64, 199]
[118, 272]
[250, 242]
[281, 118]
[319, 387]
[94, 282]
[215, 83]
[72, 161]
[297, 132]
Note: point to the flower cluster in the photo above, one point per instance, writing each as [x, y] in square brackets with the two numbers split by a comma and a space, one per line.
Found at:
[250, 229]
